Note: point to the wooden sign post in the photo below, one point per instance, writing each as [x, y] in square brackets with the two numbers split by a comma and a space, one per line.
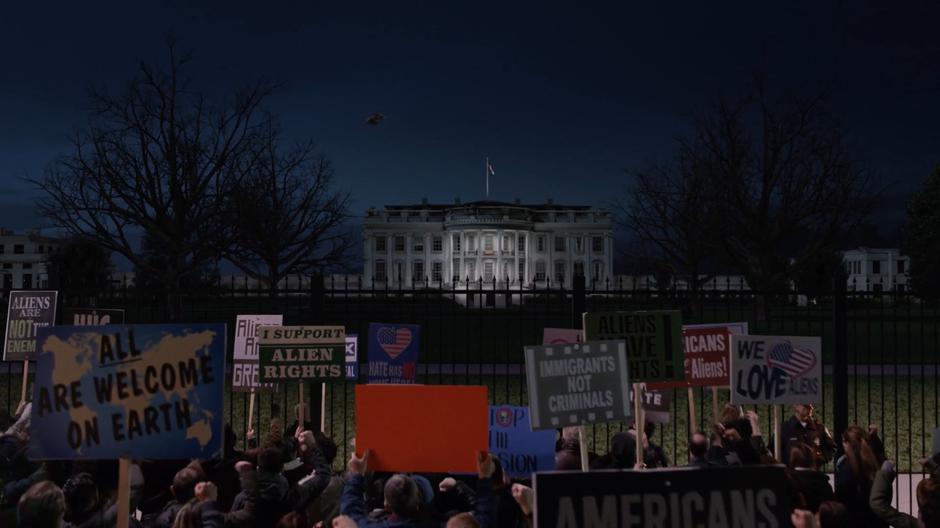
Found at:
[251, 409]
[25, 381]
[777, 424]
[582, 441]
[640, 422]
[693, 423]
[124, 493]
[301, 415]
[323, 407]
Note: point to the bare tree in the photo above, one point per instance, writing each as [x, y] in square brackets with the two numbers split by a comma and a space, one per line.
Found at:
[158, 160]
[782, 181]
[667, 209]
[287, 215]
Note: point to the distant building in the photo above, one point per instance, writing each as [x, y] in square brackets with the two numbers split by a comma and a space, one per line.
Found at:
[23, 259]
[877, 270]
[510, 244]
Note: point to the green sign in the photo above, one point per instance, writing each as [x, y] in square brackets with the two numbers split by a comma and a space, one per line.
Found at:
[653, 339]
[301, 353]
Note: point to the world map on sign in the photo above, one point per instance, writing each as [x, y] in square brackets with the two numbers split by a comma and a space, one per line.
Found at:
[141, 391]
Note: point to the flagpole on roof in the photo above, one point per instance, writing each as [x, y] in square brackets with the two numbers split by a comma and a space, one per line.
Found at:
[486, 171]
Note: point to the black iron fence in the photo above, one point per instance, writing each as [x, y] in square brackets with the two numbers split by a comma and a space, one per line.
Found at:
[880, 349]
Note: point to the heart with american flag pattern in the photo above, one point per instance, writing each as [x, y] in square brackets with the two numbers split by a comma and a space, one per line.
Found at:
[393, 340]
[790, 359]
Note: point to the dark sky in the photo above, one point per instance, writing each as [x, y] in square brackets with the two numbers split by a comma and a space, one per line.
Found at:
[562, 99]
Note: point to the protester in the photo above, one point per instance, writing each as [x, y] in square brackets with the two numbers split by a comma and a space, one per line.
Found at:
[812, 485]
[928, 500]
[183, 490]
[737, 439]
[653, 454]
[42, 506]
[402, 496]
[698, 451]
[568, 450]
[803, 427]
[854, 476]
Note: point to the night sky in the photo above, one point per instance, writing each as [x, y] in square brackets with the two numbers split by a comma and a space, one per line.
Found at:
[562, 99]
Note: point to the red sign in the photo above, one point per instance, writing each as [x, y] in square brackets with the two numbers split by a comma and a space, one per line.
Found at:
[707, 359]
[422, 428]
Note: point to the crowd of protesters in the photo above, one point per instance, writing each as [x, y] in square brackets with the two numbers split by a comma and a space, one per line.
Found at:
[285, 480]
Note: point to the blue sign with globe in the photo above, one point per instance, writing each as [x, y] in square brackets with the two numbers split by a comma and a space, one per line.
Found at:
[140, 391]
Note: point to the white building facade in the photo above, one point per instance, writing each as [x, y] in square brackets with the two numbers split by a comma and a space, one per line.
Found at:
[23, 259]
[877, 270]
[509, 244]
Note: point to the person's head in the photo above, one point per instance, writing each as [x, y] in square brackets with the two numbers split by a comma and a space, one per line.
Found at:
[928, 501]
[649, 429]
[307, 441]
[623, 450]
[698, 445]
[43, 504]
[569, 435]
[801, 456]
[803, 413]
[271, 461]
[402, 496]
[730, 413]
[858, 451]
[184, 483]
[327, 446]
[81, 497]
[462, 520]
[343, 522]
[832, 514]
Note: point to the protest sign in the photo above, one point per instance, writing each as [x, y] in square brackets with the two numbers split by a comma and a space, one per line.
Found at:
[653, 340]
[776, 369]
[746, 496]
[245, 352]
[301, 353]
[577, 384]
[393, 353]
[141, 391]
[521, 451]
[26, 313]
[655, 403]
[245, 347]
[739, 328]
[421, 428]
[92, 316]
[560, 336]
[707, 358]
[352, 357]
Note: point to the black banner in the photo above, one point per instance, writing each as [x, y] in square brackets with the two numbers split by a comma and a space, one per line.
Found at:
[753, 496]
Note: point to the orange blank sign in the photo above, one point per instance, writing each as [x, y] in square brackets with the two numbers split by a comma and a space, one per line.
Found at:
[421, 428]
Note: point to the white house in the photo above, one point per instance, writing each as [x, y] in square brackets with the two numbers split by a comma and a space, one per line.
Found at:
[877, 269]
[23, 259]
[510, 243]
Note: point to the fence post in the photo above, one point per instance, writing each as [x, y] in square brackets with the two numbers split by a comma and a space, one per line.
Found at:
[840, 359]
[577, 300]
